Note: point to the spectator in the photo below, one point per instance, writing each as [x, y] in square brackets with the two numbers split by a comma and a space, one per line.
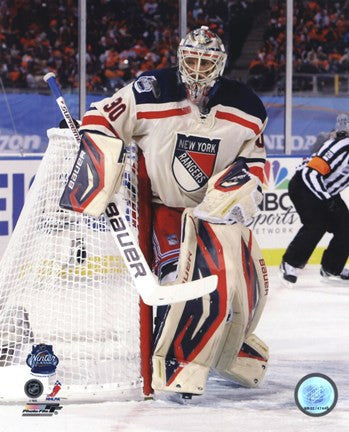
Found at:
[320, 40]
[142, 32]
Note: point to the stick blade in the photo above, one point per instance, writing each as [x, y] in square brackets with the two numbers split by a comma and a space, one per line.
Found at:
[160, 295]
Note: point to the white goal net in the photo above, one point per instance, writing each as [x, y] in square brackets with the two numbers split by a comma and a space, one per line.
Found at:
[63, 283]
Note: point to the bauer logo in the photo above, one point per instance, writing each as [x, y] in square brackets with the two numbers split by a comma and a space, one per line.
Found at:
[316, 395]
[125, 241]
[194, 160]
[76, 170]
[42, 360]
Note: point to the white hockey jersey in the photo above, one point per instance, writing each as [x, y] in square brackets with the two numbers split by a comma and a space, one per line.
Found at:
[182, 148]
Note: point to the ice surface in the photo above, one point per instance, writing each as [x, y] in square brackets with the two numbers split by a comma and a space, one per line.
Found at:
[307, 330]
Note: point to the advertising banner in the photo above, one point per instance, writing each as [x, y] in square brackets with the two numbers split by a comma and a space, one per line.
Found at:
[312, 119]
[274, 226]
[278, 222]
[26, 117]
[16, 175]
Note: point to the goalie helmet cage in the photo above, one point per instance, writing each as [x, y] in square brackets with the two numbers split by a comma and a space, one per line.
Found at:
[63, 283]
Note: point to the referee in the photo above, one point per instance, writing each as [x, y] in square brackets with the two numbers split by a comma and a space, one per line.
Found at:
[315, 192]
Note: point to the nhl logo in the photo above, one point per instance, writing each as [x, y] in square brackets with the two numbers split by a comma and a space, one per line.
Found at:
[33, 388]
[194, 160]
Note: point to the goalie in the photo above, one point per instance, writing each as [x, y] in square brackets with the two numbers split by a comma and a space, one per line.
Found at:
[201, 138]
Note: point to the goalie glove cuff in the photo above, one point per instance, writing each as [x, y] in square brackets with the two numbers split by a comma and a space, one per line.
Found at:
[231, 197]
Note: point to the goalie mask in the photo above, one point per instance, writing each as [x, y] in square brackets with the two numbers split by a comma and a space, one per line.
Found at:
[201, 61]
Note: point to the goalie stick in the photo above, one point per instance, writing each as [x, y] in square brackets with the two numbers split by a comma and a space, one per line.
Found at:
[148, 288]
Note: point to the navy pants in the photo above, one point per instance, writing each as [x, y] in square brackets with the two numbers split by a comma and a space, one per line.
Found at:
[318, 217]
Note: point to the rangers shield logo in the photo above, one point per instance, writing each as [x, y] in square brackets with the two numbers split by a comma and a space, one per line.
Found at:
[193, 161]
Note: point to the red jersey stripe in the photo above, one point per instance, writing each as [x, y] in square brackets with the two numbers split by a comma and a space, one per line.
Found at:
[236, 119]
[99, 121]
[163, 114]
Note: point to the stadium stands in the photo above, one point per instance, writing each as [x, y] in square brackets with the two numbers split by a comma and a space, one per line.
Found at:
[320, 44]
[124, 37]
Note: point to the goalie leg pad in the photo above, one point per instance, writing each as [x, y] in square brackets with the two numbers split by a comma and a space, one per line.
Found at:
[249, 366]
[190, 333]
[96, 174]
[192, 380]
[231, 361]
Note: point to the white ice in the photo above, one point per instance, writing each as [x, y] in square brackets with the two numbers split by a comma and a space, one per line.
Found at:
[307, 330]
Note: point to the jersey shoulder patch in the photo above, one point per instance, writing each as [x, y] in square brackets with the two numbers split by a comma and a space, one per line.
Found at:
[158, 86]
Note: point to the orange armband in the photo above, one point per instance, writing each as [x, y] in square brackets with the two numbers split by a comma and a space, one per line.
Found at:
[319, 165]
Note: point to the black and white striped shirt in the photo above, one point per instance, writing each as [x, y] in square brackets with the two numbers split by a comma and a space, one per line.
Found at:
[326, 172]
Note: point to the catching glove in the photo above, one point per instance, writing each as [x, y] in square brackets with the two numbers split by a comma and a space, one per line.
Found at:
[231, 197]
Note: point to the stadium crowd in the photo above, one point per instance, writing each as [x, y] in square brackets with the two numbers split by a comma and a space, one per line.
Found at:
[320, 41]
[124, 37]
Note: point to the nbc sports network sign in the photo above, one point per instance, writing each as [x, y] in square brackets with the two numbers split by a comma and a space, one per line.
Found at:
[274, 226]
[277, 222]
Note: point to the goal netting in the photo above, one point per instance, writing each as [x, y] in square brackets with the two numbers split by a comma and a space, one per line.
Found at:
[64, 283]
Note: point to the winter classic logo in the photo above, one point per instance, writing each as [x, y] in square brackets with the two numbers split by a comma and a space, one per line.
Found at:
[316, 395]
[193, 161]
[145, 83]
[42, 360]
